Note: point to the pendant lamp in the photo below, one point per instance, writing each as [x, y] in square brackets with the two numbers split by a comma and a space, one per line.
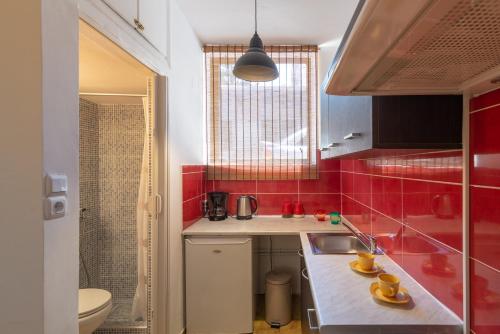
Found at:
[255, 64]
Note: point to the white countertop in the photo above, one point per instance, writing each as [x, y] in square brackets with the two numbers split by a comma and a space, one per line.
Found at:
[261, 225]
[342, 298]
[343, 301]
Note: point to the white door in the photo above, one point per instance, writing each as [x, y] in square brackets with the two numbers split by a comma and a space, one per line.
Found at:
[153, 15]
[127, 9]
[219, 285]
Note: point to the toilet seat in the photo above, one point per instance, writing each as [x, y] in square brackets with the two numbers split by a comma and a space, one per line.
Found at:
[91, 301]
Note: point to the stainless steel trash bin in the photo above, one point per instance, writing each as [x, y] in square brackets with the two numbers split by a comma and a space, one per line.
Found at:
[278, 298]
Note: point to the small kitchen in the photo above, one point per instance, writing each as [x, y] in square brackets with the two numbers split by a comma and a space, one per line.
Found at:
[347, 202]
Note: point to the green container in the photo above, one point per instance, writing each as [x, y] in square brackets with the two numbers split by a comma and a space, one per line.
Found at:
[335, 217]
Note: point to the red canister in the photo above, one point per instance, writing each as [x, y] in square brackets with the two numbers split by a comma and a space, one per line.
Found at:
[298, 210]
[287, 210]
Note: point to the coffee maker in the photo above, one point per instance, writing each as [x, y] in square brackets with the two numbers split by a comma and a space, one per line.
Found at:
[217, 205]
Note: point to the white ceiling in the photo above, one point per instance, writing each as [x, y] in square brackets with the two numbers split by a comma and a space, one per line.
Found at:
[106, 68]
[279, 21]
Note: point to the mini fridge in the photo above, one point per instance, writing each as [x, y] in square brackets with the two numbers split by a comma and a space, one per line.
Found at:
[219, 285]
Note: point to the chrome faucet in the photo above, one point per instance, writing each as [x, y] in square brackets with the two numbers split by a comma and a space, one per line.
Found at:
[369, 241]
[373, 244]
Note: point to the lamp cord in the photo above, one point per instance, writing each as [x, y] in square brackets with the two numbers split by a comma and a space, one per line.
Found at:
[255, 16]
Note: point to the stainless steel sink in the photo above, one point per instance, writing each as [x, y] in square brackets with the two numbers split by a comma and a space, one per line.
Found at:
[335, 243]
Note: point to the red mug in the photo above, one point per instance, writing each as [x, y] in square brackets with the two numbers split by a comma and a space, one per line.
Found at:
[298, 210]
[287, 210]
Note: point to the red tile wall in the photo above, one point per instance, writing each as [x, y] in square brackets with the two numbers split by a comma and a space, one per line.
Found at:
[485, 212]
[412, 204]
[193, 193]
[323, 193]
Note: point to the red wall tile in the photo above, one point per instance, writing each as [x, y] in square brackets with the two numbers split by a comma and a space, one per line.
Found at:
[386, 196]
[278, 187]
[314, 202]
[485, 299]
[362, 188]
[389, 234]
[329, 165]
[356, 213]
[192, 185]
[347, 183]
[238, 187]
[485, 147]
[485, 213]
[433, 265]
[322, 193]
[191, 211]
[270, 204]
[328, 182]
[486, 100]
[485, 225]
[347, 165]
[435, 209]
[193, 193]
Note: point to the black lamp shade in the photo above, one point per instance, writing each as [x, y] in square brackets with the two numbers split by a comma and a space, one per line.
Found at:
[255, 64]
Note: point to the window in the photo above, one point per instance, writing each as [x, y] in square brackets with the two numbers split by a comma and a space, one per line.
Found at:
[263, 130]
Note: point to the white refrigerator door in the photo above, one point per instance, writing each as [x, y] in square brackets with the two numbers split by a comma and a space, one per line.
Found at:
[219, 287]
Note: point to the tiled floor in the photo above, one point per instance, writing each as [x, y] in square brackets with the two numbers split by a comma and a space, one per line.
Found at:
[260, 326]
[119, 320]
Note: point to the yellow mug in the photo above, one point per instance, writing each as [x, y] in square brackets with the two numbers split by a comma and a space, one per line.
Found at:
[366, 260]
[388, 284]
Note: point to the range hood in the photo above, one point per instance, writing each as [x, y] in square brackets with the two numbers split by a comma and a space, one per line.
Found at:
[418, 47]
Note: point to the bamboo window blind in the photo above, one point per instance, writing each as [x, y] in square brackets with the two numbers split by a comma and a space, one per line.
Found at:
[261, 130]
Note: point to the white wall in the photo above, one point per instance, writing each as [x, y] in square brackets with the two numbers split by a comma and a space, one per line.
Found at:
[38, 134]
[325, 56]
[21, 235]
[185, 136]
[60, 154]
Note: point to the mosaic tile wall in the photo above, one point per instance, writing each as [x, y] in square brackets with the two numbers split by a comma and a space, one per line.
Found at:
[111, 144]
[121, 139]
[89, 217]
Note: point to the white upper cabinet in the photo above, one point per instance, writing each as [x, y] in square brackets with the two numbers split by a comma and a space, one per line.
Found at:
[153, 17]
[148, 17]
[127, 9]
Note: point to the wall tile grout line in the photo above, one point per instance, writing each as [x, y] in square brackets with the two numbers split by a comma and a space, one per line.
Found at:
[403, 223]
[484, 108]
[405, 178]
[484, 187]
[193, 198]
[485, 264]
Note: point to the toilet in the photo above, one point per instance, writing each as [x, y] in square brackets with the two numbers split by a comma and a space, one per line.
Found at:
[94, 306]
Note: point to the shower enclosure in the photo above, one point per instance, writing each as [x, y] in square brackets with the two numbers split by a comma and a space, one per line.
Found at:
[116, 231]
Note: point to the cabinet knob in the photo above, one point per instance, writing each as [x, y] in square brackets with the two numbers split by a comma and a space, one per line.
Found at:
[138, 25]
[352, 135]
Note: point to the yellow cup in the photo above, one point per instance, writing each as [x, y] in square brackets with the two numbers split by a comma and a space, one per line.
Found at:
[388, 284]
[365, 260]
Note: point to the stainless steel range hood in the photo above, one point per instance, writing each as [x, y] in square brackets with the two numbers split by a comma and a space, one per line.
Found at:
[418, 47]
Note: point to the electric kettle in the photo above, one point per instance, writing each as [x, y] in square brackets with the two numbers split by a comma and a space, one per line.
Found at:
[246, 206]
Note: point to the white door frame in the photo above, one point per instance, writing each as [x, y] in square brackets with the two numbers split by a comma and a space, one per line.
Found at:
[104, 20]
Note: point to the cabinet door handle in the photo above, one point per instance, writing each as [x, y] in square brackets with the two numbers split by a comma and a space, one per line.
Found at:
[309, 312]
[304, 274]
[333, 145]
[138, 25]
[352, 135]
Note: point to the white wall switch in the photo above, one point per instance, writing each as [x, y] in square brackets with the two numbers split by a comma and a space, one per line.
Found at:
[56, 183]
[55, 207]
